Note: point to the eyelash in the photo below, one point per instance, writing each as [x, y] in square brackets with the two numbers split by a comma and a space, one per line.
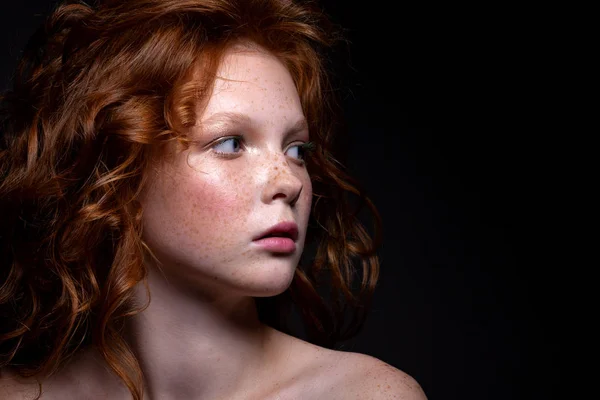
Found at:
[307, 148]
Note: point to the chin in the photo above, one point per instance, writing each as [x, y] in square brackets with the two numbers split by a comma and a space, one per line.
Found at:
[273, 282]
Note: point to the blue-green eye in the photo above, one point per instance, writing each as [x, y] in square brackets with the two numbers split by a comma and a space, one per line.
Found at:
[226, 144]
[227, 147]
[304, 150]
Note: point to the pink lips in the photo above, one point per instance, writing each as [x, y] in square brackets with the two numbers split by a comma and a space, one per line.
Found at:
[277, 244]
[280, 238]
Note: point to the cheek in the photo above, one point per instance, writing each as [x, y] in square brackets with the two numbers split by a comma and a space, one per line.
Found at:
[307, 191]
[213, 204]
[218, 204]
[201, 211]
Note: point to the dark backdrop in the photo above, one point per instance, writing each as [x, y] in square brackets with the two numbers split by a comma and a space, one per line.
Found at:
[433, 106]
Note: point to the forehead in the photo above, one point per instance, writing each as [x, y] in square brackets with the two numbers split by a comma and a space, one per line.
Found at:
[254, 82]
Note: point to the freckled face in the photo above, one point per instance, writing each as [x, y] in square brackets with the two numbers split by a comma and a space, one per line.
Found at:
[204, 208]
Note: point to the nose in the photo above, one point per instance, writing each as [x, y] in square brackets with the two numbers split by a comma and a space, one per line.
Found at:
[282, 181]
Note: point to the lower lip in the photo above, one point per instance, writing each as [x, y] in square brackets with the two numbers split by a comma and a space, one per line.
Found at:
[277, 244]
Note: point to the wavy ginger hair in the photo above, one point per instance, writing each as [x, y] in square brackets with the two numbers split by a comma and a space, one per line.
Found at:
[98, 93]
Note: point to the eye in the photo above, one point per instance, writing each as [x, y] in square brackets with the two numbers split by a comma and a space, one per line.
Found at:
[303, 150]
[227, 146]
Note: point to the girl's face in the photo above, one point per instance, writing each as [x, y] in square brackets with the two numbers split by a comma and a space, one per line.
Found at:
[206, 205]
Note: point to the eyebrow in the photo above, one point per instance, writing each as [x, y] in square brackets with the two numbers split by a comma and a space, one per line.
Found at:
[228, 117]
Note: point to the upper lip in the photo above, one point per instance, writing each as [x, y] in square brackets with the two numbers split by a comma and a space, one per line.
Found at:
[287, 229]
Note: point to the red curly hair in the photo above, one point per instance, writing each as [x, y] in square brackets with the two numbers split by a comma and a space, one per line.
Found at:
[101, 90]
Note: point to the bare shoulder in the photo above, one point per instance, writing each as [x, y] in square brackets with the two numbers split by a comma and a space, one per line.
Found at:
[80, 379]
[339, 375]
[367, 377]
[14, 387]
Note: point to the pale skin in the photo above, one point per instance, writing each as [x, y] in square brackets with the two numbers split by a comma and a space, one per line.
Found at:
[200, 338]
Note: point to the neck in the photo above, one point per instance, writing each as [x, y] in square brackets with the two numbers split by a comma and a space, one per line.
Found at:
[196, 345]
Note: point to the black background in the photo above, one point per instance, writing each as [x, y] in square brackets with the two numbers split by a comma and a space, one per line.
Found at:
[436, 105]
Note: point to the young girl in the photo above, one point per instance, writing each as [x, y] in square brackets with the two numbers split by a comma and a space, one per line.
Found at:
[163, 164]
